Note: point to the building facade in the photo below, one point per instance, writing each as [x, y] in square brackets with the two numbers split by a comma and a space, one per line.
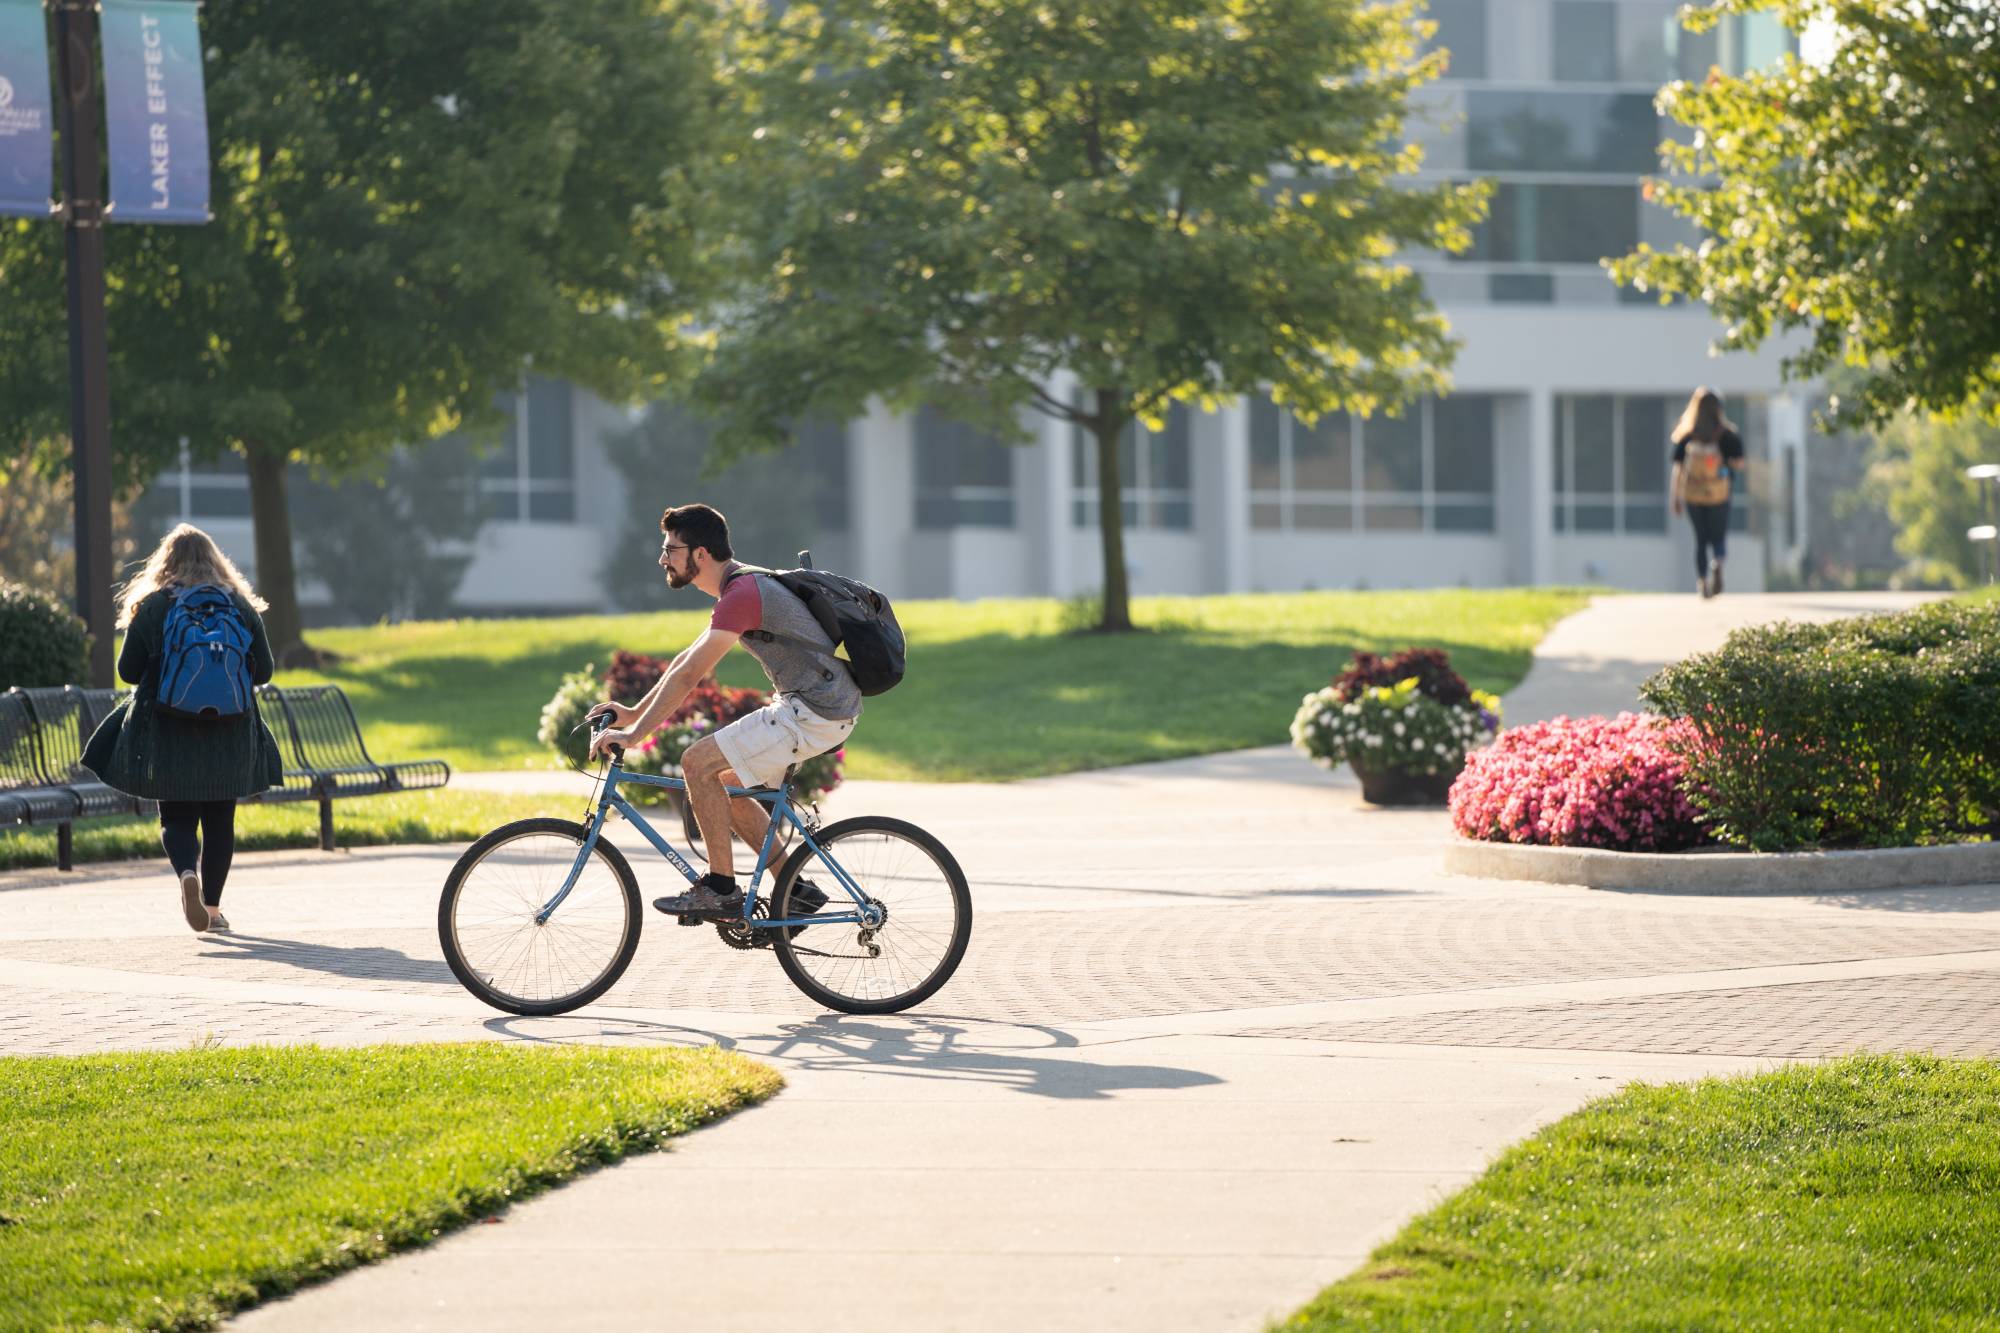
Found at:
[1547, 463]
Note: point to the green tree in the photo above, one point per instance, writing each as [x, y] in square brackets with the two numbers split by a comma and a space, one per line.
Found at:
[411, 199]
[1856, 201]
[392, 541]
[1173, 200]
[1917, 470]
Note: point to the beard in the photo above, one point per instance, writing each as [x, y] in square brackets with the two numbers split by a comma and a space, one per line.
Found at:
[677, 580]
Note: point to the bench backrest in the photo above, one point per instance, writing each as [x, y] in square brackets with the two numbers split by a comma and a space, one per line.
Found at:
[65, 716]
[322, 729]
[20, 744]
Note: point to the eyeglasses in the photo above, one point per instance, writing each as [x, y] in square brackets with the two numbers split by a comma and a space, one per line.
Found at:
[669, 548]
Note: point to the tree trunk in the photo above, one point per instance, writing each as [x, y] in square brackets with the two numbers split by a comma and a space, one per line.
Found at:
[1111, 511]
[277, 577]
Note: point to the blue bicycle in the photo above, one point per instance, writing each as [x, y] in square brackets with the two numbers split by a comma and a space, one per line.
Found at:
[542, 916]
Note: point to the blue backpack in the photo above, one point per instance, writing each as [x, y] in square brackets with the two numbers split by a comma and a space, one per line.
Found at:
[205, 660]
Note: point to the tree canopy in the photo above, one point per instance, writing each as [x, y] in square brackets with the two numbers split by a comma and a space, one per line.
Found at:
[1856, 202]
[1171, 200]
[411, 201]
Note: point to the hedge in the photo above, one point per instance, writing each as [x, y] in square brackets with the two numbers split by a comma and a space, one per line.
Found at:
[1882, 731]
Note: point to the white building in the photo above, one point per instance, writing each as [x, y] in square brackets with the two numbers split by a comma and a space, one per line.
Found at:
[1547, 464]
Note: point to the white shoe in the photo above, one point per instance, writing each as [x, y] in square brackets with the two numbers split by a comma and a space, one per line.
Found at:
[192, 906]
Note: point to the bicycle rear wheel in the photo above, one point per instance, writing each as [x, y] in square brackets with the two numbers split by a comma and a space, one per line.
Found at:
[502, 954]
[910, 876]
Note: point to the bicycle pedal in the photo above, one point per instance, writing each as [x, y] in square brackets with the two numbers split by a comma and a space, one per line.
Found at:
[690, 921]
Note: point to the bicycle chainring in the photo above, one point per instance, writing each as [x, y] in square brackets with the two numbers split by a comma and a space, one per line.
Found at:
[738, 935]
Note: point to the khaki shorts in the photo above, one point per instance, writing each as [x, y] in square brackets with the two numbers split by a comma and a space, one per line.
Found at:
[760, 746]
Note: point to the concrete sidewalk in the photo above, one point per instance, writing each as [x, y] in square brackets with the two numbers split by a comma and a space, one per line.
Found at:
[1221, 1030]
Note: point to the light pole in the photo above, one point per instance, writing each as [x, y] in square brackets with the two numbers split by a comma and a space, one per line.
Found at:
[1989, 531]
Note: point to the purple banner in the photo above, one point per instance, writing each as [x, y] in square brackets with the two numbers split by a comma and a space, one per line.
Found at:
[155, 117]
[27, 130]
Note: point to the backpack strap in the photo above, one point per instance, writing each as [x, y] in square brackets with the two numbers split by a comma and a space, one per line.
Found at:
[773, 636]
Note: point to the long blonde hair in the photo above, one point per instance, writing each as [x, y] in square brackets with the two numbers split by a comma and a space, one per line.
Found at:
[185, 558]
[1703, 421]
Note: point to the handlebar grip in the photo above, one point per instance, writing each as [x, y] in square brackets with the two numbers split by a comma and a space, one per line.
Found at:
[602, 722]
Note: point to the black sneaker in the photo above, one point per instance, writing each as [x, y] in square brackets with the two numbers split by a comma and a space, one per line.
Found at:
[712, 898]
[807, 898]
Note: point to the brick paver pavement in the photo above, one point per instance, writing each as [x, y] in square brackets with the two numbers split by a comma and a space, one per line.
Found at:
[1220, 1030]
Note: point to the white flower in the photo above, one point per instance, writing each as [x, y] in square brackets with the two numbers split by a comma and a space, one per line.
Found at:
[1416, 745]
[1399, 728]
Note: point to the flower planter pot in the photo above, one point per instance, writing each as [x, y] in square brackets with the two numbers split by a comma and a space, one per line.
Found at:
[1398, 786]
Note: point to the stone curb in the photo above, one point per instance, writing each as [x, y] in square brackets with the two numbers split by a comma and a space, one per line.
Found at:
[1730, 872]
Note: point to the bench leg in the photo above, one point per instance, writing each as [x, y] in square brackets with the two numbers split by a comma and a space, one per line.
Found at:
[325, 824]
[65, 849]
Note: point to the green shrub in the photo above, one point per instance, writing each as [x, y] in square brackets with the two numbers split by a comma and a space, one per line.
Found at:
[41, 643]
[1875, 732]
[562, 715]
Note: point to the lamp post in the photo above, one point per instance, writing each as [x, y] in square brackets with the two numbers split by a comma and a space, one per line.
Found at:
[1989, 531]
[89, 359]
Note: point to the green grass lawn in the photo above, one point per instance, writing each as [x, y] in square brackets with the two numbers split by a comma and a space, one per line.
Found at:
[365, 821]
[1864, 1193]
[996, 689]
[164, 1190]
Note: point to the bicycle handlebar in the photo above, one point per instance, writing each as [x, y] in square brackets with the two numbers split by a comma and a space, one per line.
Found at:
[602, 722]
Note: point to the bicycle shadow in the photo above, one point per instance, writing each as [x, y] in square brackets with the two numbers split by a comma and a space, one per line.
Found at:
[1018, 1056]
[366, 963]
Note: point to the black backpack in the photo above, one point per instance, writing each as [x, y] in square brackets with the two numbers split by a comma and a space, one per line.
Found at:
[854, 615]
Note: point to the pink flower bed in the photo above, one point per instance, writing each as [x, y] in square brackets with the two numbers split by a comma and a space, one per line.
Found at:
[1578, 782]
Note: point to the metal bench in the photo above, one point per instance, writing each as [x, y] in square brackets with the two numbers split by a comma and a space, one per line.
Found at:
[325, 758]
[42, 778]
[43, 781]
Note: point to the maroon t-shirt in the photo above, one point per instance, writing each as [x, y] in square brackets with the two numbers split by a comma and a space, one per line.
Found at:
[740, 609]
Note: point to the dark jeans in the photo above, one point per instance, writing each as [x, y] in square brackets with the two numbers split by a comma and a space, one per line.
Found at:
[1711, 532]
[212, 847]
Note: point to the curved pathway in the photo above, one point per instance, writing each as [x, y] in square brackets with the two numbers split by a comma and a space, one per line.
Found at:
[1223, 1028]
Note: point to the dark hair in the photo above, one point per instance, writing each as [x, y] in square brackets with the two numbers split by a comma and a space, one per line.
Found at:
[1703, 420]
[699, 525]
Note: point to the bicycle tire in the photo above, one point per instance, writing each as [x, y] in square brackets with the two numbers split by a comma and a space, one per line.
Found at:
[787, 947]
[469, 976]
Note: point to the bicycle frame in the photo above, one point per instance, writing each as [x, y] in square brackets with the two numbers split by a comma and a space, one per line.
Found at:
[782, 809]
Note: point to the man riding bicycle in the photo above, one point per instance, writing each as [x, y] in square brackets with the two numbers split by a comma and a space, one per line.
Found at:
[814, 707]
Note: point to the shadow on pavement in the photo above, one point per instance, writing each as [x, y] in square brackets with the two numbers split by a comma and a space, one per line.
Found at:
[366, 963]
[1944, 898]
[952, 1049]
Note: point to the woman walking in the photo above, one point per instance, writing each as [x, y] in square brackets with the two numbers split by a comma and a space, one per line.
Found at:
[190, 736]
[1708, 457]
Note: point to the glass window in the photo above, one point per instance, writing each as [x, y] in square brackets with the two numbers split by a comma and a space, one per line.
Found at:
[1615, 133]
[1461, 29]
[1647, 455]
[822, 447]
[1521, 288]
[965, 475]
[1613, 461]
[527, 471]
[1591, 443]
[1462, 444]
[1392, 452]
[1323, 453]
[1155, 473]
[551, 431]
[1648, 34]
[1266, 448]
[1585, 37]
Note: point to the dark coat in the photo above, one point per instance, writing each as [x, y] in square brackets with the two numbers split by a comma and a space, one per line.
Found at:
[143, 751]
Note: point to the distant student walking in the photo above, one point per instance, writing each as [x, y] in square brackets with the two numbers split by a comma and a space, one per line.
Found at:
[190, 737]
[1708, 458]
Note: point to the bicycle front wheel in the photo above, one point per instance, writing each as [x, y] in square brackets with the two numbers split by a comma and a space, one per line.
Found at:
[487, 918]
[926, 924]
